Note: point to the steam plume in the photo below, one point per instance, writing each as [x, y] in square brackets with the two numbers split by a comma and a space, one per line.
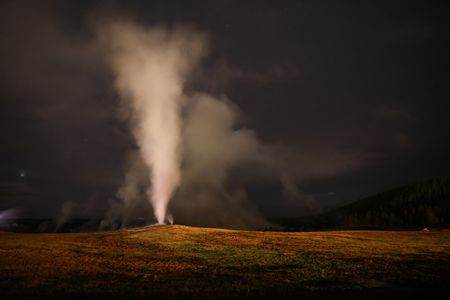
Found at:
[213, 148]
[7, 216]
[151, 66]
[66, 210]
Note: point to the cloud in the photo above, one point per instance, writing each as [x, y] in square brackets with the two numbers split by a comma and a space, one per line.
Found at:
[220, 75]
[131, 202]
[299, 199]
[192, 142]
[213, 149]
[395, 126]
[65, 214]
[55, 81]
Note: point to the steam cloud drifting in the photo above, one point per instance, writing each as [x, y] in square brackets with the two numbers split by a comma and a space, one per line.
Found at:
[189, 142]
[151, 67]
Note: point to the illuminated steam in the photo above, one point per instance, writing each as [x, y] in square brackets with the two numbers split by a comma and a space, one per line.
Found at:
[7, 216]
[191, 143]
[150, 67]
[214, 147]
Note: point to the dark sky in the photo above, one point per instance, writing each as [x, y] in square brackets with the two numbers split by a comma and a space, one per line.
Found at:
[358, 91]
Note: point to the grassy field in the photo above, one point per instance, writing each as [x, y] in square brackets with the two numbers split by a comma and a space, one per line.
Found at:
[173, 262]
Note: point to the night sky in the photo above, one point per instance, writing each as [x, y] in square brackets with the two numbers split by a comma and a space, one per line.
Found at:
[355, 93]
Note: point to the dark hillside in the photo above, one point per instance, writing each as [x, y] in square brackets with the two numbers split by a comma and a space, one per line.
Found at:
[423, 204]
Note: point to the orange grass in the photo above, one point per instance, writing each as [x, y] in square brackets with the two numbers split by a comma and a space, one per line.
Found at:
[179, 261]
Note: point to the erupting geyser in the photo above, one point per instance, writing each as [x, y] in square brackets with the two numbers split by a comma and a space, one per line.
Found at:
[151, 66]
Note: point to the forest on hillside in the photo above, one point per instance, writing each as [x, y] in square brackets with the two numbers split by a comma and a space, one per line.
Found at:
[423, 204]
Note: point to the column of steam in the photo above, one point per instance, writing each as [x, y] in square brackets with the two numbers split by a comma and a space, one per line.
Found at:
[151, 66]
[159, 137]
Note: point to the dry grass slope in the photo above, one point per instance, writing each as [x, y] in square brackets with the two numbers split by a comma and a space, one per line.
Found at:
[180, 261]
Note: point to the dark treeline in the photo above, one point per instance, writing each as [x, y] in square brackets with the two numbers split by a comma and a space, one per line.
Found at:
[424, 204]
